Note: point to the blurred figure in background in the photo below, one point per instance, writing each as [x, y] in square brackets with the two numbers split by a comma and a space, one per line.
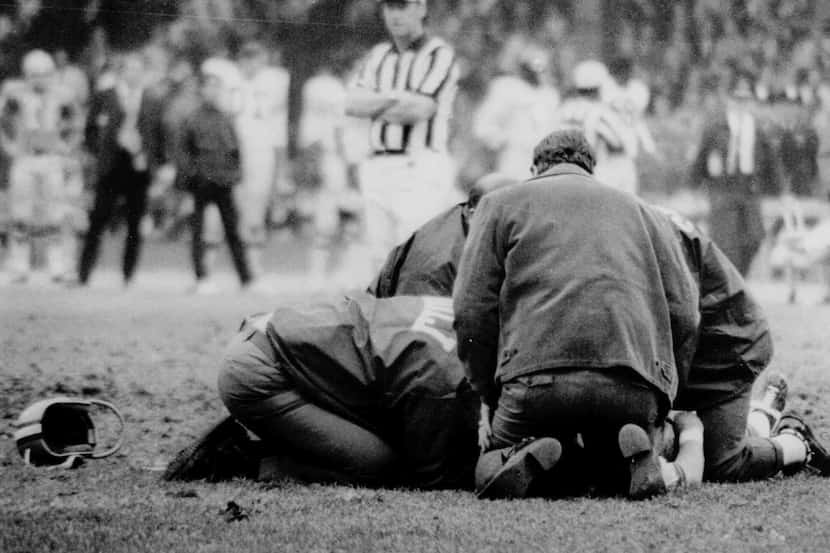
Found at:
[821, 122]
[262, 126]
[71, 77]
[406, 88]
[180, 97]
[113, 136]
[736, 164]
[613, 137]
[322, 168]
[40, 133]
[630, 96]
[211, 168]
[518, 108]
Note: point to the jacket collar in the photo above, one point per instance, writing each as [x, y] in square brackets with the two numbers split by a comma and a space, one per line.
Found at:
[563, 169]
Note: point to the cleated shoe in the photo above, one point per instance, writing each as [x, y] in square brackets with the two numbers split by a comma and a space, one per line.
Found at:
[223, 452]
[818, 459]
[515, 469]
[644, 465]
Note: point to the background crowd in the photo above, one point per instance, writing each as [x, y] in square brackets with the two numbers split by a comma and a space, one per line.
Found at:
[678, 63]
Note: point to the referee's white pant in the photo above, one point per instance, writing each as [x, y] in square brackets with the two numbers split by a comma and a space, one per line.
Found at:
[401, 192]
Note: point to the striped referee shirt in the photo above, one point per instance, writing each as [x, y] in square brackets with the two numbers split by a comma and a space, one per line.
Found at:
[427, 67]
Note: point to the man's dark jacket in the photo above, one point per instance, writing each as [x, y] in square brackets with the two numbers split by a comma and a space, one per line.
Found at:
[106, 115]
[426, 264]
[562, 271]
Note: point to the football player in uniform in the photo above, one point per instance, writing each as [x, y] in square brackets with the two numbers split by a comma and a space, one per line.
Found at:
[322, 169]
[612, 136]
[518, 109]
[355, 390]
[41, 133]
[262, 126]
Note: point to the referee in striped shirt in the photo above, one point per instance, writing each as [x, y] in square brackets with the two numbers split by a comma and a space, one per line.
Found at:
[405, 89]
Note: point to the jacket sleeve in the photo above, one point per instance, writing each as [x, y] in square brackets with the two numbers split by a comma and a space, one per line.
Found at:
[476, 299]
[385, 283]
[734, 343]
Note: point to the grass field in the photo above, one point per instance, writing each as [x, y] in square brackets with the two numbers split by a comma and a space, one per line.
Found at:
[154, 353]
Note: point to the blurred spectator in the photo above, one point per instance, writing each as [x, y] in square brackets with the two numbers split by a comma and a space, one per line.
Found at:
[113, 136]
[322, 167]
[262, 126]
[40, 132]
[736, 164]
[821, 121]
[630, 97]
[613, 137]
[798, 149]
[211, 170]
[71, 77]
[178, 97]
[518, 108]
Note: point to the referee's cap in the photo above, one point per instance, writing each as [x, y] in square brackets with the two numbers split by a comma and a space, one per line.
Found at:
[590, 75]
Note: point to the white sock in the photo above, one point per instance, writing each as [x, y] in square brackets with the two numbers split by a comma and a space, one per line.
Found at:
[671, 477]
[795, 451]
[759, 424]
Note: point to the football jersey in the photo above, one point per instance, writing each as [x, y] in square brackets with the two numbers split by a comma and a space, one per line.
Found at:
[38, 123]
[262, 108]
[389, 365]
[324, 112]
[606, 130]
[513, 117]
[365, 353]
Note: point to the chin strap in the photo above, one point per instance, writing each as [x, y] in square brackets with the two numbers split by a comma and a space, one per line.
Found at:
[120, 441]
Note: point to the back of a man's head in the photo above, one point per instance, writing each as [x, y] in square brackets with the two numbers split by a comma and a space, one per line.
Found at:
[563, 146]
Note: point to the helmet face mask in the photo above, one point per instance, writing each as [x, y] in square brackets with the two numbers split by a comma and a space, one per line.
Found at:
[55, 431]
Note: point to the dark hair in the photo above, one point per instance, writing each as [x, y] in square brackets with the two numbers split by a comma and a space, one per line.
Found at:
[565, 146]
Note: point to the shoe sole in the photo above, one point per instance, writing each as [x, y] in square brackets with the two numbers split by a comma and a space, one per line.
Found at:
[189, 457]
[646, 476]
[514, 479]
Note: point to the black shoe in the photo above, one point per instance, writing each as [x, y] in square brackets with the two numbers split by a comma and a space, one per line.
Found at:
[818, 460]
[222, 453]
[515, 469]
[644, 466]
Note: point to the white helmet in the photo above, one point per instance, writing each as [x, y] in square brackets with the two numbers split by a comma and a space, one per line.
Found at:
[37, 62]
[56, 431]
[590, 75]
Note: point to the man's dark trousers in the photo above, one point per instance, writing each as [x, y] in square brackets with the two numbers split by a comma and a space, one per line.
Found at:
[121, 181]
[204, 193]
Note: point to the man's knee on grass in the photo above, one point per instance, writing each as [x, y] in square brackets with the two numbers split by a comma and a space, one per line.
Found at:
[749, 459]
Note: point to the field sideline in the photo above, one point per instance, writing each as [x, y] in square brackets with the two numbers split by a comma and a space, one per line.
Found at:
[153, 352]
